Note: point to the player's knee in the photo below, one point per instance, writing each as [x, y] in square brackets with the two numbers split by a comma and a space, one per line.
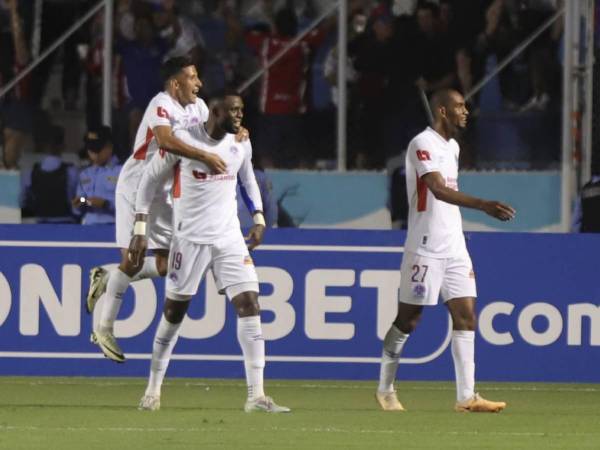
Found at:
[175, 308]
[407, 321]
[246, 304]
[464, 323]
[406, 326]
[128, 267]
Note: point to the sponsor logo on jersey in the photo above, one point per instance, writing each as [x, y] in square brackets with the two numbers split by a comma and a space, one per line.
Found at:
[423, 155]
[202, 176]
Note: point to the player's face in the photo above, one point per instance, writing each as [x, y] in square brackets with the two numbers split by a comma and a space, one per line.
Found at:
[233, 113]
[188, 85]
[456, 111]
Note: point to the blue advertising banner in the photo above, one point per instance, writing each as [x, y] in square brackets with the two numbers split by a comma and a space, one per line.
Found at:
[328, 297]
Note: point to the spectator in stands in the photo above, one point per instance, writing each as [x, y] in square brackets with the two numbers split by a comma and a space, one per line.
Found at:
[186, 36]
[92, 57]
[586, 216]
[225, 61]
[140, 60]
[16, 107]
[279, 132]
[49, 187]
[95, 197]
[499, 37]
[435, 49]
[371, 53]
[542, 55]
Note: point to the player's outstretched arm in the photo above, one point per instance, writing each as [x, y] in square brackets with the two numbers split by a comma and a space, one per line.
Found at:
[166, 140]
[436, 184]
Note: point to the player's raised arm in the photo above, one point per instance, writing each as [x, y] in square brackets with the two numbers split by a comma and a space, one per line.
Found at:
[168, 141]
[437, 185]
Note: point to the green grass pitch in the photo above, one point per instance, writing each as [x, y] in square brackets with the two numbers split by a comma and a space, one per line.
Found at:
[100, 413]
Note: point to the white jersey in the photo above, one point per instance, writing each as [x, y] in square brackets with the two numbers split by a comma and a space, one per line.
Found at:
[205, 206]
[163, 110]
[434, 226]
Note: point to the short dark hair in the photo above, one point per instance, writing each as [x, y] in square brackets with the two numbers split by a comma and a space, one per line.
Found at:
[222, 93]
[441, 98]
[171, 67]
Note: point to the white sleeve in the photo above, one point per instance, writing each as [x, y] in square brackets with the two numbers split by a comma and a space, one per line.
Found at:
[159, 113]
[247, 181]
[156, 173]
[423, 157]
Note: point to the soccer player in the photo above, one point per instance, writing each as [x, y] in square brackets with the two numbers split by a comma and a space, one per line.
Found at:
[436, 259]
[177, 104]
[207, 235]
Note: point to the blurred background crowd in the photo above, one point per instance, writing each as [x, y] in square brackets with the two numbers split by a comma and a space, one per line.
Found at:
[396, 50]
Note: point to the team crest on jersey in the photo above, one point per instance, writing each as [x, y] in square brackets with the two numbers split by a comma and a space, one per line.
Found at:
[419, 291]
[233, 149]
[248, 260]
[173, 276]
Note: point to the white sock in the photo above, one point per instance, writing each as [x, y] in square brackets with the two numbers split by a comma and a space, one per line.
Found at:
[148, 269]
[249, 333]
[463, 354]
[390, 359]
[115, 288]
[164, 342]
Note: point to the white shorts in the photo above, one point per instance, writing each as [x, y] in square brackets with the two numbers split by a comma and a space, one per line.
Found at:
[228, 259]
[160, 221]
[423, 279]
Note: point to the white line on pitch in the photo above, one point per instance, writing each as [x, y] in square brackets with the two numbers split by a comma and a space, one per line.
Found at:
[222, 383]
[266, 247]
[180, 357]
[297, 430]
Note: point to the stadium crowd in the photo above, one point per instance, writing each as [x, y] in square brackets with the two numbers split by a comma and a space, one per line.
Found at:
[397, 50]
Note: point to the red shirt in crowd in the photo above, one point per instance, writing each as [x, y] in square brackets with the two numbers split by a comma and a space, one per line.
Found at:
[284, 84]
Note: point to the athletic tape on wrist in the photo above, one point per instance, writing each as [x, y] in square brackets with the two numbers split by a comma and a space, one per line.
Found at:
[139, 228]
[259, 219]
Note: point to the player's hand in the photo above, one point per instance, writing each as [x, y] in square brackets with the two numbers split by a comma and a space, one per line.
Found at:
[255, 236]
[96, 202]
[499, 210]
[137, 249]
[215, 163]
[243, 135]
[79, 202]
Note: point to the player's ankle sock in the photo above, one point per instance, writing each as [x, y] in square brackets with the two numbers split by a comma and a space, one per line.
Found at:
[116, 287]
[148, 269]
[249, 333]
[463, 354]
[164, 342]
[392, 348]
